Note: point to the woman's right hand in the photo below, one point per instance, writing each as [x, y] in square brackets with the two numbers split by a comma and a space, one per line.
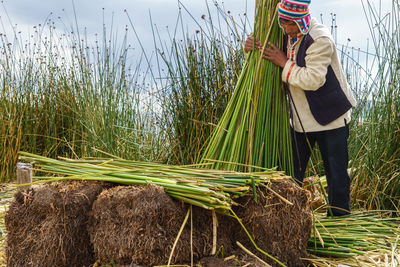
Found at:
[251, 43]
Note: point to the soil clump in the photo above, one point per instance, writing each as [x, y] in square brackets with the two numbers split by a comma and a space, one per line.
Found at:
[47, 225]
[278, 228]
[139, 224]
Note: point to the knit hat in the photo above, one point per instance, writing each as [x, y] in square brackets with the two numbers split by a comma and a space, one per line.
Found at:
[297, 11]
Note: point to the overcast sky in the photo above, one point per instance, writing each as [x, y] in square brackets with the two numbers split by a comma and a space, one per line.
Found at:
[350, 16]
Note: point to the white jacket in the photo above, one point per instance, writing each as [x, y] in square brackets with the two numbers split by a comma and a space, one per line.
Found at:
[319, 56]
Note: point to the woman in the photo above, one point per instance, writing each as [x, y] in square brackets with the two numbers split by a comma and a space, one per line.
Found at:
[321, 100]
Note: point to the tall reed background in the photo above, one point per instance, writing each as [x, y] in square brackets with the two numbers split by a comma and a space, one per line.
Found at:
[63, 95]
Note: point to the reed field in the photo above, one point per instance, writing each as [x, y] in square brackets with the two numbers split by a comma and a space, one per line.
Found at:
[375, 139]
[61, 95]
[202, 71]
[64, 94]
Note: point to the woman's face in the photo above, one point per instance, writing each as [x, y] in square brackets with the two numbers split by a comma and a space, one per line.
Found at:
[290, 27]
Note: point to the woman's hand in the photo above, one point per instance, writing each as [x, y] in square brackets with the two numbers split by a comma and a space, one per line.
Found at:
[275, 55]
[251, 43]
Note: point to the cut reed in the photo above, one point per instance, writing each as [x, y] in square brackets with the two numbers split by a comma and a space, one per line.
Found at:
[254, 129]
[206, 188]
[356, 234]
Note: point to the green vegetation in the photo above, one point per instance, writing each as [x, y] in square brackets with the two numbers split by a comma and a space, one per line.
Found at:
[202, 71]
[63, 95]
[375, 139]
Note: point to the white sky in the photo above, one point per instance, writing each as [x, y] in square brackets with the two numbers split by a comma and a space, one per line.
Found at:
[350, 16]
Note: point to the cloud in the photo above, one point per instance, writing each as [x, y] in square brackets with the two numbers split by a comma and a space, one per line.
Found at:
[350, 17]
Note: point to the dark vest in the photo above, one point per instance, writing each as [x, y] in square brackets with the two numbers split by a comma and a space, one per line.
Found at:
[329, 102]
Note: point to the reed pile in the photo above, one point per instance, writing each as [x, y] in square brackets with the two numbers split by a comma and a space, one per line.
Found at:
[358, 234]
[206, 188]
[254, 129]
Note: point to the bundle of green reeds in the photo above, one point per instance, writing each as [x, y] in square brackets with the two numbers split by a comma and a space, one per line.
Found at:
[206, 188]
[356, 234]
[254, 129]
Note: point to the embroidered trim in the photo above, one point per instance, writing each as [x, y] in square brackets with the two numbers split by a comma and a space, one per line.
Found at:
[292, 47]
[289, 72]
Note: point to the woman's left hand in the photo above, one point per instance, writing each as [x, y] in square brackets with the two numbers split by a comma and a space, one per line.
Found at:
[275, 55]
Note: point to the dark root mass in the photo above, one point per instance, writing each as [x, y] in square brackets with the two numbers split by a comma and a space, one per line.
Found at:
[280, 229]
[138, 225]
[47, 225]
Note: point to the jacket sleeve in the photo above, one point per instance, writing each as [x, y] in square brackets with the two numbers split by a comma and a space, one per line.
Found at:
[312, 76]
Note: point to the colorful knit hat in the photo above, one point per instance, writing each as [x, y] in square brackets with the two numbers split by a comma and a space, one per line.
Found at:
[297, 11]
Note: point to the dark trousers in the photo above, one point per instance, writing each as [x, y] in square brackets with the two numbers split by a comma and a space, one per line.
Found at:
[334, 151]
